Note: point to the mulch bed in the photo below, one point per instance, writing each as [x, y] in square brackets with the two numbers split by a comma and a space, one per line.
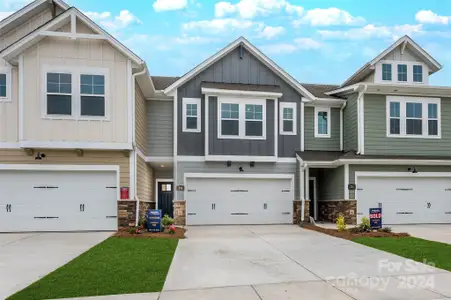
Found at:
[351, 235]
[179, 234]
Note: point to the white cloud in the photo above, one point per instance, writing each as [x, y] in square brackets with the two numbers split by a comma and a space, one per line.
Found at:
[429, 17]
[95, 16]
[297, 45]
[327, 17]
[248, 9]
[220, 25]
[294, 9]
[121, 21]
[164, 5]
[15, 4]
[185, 40]
[270, 32]
[371, 31]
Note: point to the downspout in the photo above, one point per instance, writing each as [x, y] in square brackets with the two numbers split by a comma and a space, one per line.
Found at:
[144, 71]
[362, 90]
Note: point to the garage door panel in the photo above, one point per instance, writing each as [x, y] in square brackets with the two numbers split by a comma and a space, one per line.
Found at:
[238, 201]
[52, 200]
[406, 200]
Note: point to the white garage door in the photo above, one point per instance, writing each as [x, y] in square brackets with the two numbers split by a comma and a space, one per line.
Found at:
[58, 200]
[239, 201]
[406, 200]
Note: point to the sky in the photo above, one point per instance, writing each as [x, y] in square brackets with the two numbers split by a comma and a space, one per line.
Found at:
[316, 41]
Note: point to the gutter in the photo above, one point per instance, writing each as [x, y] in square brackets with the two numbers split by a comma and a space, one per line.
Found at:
[144, 71]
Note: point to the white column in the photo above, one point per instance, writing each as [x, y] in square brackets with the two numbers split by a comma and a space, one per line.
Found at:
[346, 171]
[307, 183]
[301, 189]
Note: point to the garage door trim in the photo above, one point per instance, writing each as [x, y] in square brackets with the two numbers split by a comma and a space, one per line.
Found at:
[62, 168]
[394, 174]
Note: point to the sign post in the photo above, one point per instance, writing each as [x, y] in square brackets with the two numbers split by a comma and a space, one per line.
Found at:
[154, 220]
[376, 218]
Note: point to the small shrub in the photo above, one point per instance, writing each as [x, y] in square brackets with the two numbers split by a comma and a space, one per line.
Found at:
[385, 229]
[365, 224]
[167, 221]
[142, 222]
[341, 225]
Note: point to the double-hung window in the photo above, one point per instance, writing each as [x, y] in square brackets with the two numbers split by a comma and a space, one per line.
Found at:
[417, 73]
[386, 72]
[59, 94]
[402, 72]
[191, 115]
[287, 118]
[5, 84]
[241, 119]
[322, 122]
[92, 95]
[413, 117]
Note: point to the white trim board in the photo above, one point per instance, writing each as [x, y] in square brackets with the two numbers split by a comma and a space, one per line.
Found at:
[218, 92]
[75, 145]
[243, 176]
[253, 50]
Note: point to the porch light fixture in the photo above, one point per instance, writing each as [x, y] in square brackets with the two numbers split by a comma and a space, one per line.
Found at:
[252, 164]
[229, 163]
[241, 169]
[413, 170]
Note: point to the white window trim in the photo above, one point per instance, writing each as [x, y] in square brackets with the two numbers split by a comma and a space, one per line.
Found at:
[291, 105]
[402, 107]
[76, 96]
[196, 101]
[394, 70]
[7, 71]
[242, 117]
[329, 119]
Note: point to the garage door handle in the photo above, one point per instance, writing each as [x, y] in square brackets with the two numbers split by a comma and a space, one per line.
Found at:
[82, 207]
[8, 207]
[111, 217]
[191, 214]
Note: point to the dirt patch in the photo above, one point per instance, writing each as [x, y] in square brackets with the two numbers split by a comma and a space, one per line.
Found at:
[348, 235]
[179, 234]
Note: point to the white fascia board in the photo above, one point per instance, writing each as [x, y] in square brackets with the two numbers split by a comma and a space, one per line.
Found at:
[237, 158]
[338, 103]
[159, 159]
[349, 89]
[237, 175]
[402, 174]
[216, 92]
[414, 162]
[54, 167]
[75, 145]
[251, 48]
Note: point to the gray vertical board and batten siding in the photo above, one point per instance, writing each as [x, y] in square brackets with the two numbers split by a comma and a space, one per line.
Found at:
[218, 146]
[160, 128]
[232, 69]
[331, 184]
[220, 167]
[324, 144]
[377, 142]
[350, 123]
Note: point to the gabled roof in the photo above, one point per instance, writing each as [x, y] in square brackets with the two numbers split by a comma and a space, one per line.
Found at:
[254, 51]
[24, 12]
[320, 90]
[35, 36]
[162, 82]
[364, 71]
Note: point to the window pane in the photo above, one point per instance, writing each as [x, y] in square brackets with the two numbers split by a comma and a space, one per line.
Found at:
[191, 122]
[414, 127]
[394, 109]
[394, 126]
[432, 127]
[59, 104]
[432, 111]
[65, 88]
[191, 110]
[254, 112]
[99, 90]
[53, 88]
[254, 128]
[92, 84]
[229, 127]
[86, 79]
[2, 91]
[288, 114]
[229, 111]
[418, 73]
[2, 79]
[413, 110]
[386, 71]
[402, 72]
[288, 126]
[93, 106]
[322, 122]
[86, 89]
[99, 80]
[65, 78]
[59, 83]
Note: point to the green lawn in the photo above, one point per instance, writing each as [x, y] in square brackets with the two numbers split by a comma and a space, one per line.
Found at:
[413, 248]
[116, 266]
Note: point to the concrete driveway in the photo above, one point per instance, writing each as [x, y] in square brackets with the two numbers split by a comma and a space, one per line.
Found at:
[433, 232]
[287, 262]
[24, 258]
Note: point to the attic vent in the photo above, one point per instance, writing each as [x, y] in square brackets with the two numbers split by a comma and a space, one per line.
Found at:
[241, 51]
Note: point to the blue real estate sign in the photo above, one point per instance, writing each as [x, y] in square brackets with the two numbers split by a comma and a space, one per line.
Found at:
[154, 220]
[376, 218]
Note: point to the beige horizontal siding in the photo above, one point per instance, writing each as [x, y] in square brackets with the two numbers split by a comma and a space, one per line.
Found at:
[144, 180]
[69, 157]
[141, 121]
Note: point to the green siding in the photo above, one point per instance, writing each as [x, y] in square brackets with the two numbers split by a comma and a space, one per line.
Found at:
[377, 142]
[389, 168]
[325, 144]
[350, 123]
[331, 184]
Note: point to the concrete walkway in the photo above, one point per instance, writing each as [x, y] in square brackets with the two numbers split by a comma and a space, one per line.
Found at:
[25, 258]
[432, 232]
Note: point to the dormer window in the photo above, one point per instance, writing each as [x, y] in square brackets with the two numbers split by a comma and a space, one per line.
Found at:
[417, 73]
[386, 72]
[402, 72]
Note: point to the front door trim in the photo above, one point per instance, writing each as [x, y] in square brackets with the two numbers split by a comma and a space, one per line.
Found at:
[157, 181]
